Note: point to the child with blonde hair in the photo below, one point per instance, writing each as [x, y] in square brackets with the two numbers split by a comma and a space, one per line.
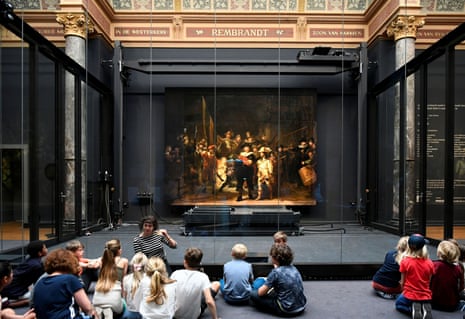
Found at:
[280, 238]
[386, 281]
[121, 262]
[448, 280]
[158, 291]
[131, 286]
[108, 298]
[416, 271]
[237, 278]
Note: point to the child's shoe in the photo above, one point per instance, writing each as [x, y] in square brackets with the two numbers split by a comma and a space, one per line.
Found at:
[427, 314]
[417, 311]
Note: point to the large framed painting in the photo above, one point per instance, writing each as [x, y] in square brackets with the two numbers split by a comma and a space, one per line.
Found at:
[240, 146]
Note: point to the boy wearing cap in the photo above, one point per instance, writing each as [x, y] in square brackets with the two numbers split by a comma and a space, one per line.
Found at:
[416, 271]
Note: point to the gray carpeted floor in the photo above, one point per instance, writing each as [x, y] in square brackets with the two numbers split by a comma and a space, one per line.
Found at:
[329, 300]
[333, 300]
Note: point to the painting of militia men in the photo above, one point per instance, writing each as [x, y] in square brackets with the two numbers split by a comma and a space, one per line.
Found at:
[242, 146]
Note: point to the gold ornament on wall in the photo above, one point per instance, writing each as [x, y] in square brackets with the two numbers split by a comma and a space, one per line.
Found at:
[405, 27]
[75, 24]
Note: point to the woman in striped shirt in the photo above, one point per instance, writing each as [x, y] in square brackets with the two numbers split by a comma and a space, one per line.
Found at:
[151, 239]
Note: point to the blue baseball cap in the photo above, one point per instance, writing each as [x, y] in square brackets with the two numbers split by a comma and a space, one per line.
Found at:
[417, 241]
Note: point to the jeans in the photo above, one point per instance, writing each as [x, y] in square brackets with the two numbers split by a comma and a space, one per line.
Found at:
[403, 304]
[131, 315]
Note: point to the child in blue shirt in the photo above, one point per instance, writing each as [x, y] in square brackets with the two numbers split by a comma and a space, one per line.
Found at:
[237, 280]
[282, 293]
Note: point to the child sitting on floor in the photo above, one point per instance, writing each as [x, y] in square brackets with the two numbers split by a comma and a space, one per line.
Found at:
[131, 286]
[237, 278]
[280, 238]
[25, 275]
[447, 282]
[416, 270]
[386, 281]
[282, 293]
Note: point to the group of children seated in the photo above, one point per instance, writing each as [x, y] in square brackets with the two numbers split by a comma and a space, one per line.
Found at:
[419, 284]
[57, 284]
[142, 288]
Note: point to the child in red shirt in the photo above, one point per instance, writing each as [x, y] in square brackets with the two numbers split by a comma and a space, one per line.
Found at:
[416, 271]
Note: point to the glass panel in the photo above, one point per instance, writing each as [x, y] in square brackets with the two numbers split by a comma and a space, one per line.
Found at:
[13, 229]
[436, 98]
[385, 150]
[459, 155]
[38, 145]
[198, 172]
[98, 201]
[44, 151]
[14, 147]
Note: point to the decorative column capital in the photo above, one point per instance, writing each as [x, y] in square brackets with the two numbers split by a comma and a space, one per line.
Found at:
[75, 24]
[405, 27]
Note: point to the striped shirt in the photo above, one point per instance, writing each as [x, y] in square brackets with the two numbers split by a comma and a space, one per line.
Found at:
[151, 245]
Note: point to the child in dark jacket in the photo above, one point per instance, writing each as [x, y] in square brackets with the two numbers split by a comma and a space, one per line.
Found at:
[25, 275]
[386, 281]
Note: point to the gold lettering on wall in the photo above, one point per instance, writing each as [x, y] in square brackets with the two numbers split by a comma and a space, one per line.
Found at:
[207, 32]
[50, 31]
[331, 33]
[142, 32]
[431, 34]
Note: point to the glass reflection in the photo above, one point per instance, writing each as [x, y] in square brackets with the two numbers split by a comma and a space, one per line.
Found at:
[14, 148]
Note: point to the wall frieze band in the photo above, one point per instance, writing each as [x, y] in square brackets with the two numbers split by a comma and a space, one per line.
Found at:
[205, 30]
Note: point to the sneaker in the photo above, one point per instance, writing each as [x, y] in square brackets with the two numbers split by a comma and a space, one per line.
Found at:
[417, 311]
[390, 296]
[427, 311]
[385, 295]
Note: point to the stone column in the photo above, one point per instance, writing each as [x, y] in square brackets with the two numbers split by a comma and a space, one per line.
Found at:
[403, 30]
[76, 28]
